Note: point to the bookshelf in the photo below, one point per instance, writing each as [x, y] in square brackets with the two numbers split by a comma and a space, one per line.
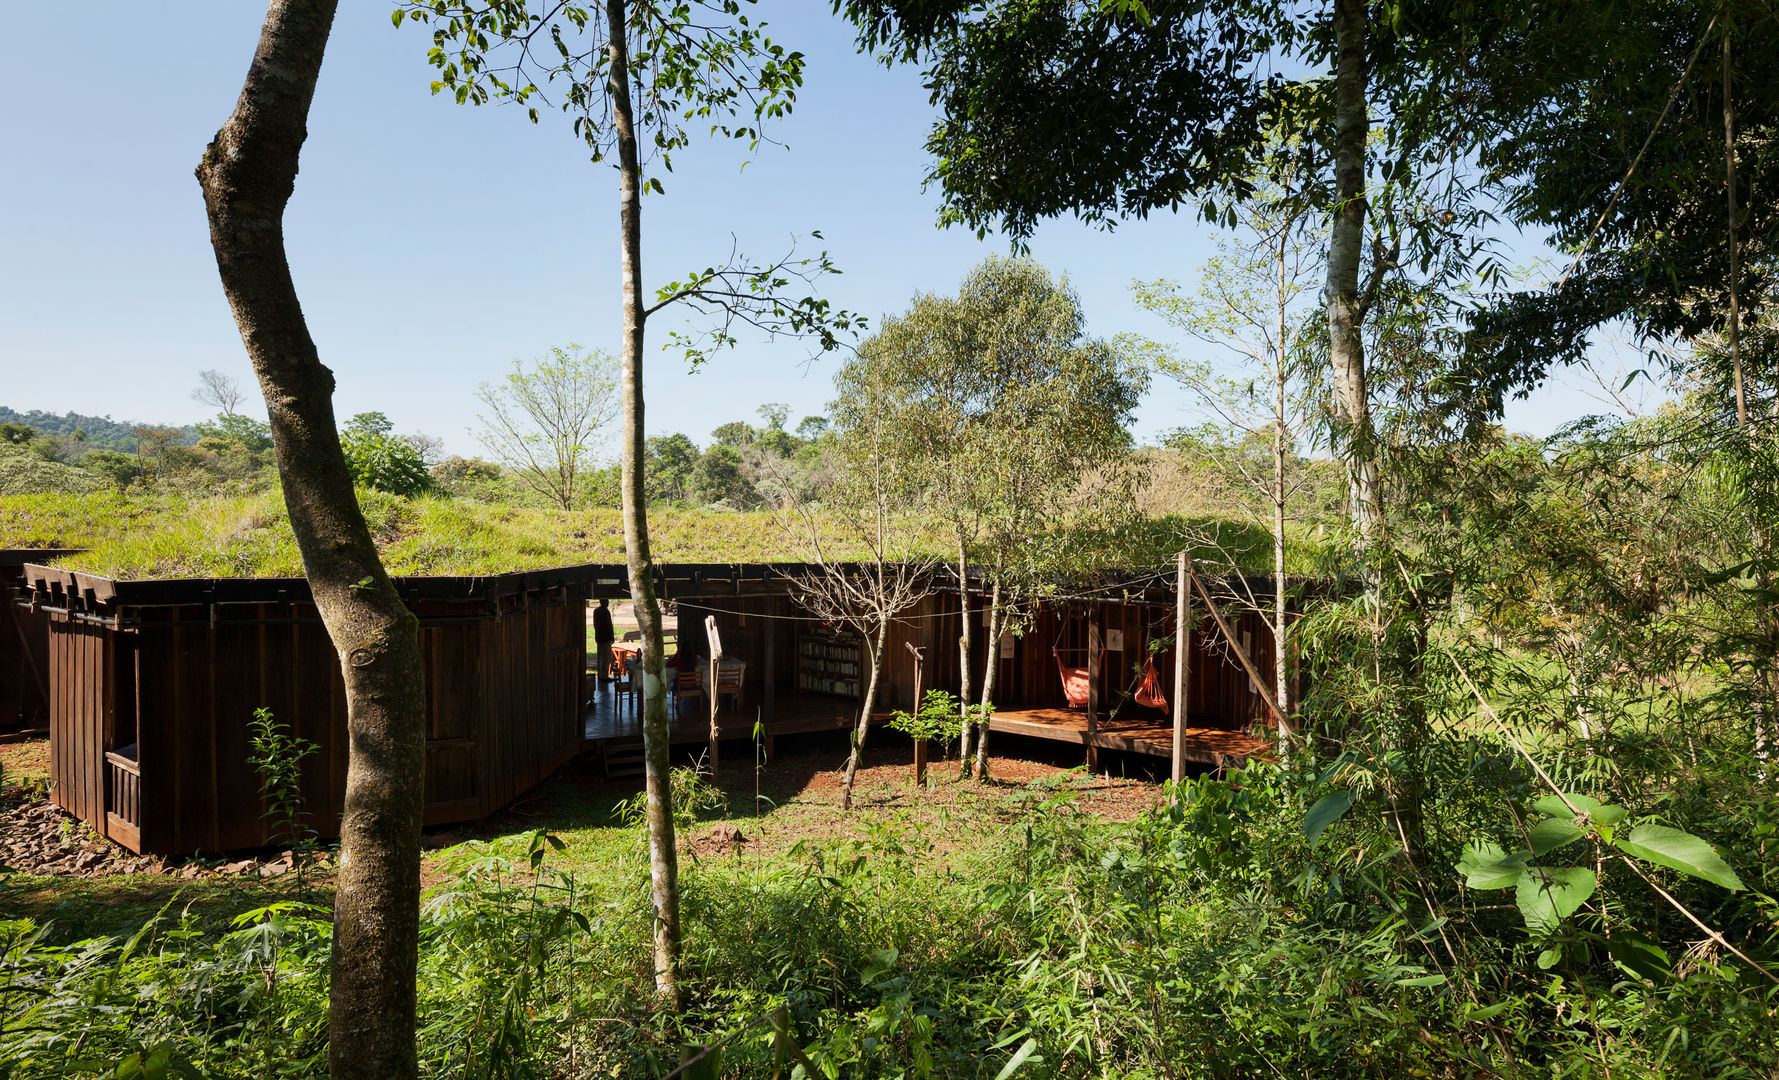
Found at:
[829, 662]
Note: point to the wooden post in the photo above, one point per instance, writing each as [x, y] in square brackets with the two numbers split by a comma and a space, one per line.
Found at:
[1093, 685]
[920, 745]
[1182, 667]
[716, 654]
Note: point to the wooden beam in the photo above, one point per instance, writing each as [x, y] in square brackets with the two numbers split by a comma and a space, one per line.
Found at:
[769, 701]
[920, 745]
[1241, 654]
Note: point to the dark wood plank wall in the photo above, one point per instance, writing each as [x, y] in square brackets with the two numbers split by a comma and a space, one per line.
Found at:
[503, 711]
[24, 661]
[78, 689]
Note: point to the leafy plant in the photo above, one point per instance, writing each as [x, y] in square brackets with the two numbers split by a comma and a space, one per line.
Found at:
[277, 756]
[1546, 894]
[937, 718]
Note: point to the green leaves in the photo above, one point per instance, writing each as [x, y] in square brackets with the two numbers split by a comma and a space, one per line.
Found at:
[1680, 851]
[1329, 809]
[1486, 866]
[1547, 895]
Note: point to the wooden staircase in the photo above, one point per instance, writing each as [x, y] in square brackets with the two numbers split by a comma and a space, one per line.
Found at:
[623, 762]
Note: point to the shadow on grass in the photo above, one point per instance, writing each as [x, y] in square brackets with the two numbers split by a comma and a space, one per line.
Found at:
[75, 908]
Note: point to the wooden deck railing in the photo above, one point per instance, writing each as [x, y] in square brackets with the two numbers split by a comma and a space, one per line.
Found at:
[123, 800]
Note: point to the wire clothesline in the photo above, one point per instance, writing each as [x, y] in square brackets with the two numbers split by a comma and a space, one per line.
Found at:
[1053, 598]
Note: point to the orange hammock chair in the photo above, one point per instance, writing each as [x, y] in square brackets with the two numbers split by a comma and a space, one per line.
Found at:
[1074, 680]
[1148, 692]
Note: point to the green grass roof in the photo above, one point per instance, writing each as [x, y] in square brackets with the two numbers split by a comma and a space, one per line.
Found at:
[139, 536]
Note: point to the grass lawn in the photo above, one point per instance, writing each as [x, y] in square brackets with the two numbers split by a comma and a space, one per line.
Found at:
[780, 814]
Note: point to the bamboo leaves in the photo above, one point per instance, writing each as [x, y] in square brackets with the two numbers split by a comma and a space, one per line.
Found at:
[1546, 895]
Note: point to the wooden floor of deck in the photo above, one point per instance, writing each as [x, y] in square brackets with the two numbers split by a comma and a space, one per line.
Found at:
[616, 725]
[1139, 735]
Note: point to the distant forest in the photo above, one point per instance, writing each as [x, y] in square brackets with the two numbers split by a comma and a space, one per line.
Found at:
[101, 431]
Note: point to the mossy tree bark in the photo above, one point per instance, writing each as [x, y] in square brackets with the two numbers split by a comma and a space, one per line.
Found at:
[248, 174]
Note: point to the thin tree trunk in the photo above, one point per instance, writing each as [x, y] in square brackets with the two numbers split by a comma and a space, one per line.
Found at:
[1729, 168]
[1762, 538]
[248, 174]
[990, 668]
[865, 710]
[963, 659]
[1280, 625]
[1346, 349]
[663, 855]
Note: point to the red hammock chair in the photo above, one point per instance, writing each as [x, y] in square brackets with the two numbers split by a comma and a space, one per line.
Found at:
[1148, 693]
[1074, 680]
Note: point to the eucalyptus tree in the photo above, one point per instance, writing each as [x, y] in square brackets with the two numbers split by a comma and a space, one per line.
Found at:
[1005, 406]
[1151, 106]
[1250, 309]
[636, 78]
[546, 420]
[248, 173]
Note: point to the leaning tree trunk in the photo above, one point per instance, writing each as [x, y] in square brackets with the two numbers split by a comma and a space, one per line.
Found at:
[248, 173]
[663, 856]
[1346, 349]
[990, 667]
[865, 709]
[964, 641]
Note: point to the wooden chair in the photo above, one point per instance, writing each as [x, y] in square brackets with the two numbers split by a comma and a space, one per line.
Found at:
[687, 684]
[729, 677]
[625, 685]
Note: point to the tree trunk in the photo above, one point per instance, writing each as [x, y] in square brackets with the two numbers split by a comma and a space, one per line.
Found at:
[1281, 627]
[663, 856]
[990, 668]
[865, 709]
[963, 659]
[1346, 348]
[248, 174]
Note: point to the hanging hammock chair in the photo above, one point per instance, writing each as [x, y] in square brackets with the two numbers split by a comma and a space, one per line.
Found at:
[1074, 679]
[1149, 693]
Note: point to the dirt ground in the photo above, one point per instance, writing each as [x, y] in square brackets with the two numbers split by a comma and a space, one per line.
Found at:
[795, 797]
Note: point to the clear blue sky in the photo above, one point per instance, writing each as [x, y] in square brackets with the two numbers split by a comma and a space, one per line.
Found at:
[433, 243]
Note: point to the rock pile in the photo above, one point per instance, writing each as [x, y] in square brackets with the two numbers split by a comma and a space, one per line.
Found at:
[39, 837]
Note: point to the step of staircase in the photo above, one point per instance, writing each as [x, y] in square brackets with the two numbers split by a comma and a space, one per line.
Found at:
[624, 762]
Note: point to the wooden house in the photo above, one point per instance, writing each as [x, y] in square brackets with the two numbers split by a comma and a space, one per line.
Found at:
[153, 683]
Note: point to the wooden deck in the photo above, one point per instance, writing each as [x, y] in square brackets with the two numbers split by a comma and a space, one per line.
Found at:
[1155, 737]
[609, 727]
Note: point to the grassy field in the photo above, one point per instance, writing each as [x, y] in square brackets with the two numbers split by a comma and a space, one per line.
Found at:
[158, 533]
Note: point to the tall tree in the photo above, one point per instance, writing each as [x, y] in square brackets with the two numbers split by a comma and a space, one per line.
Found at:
[247, 174]
[547, 420]
[1251, 307]
[636, 75]
[1003, 404]
[1155, 105]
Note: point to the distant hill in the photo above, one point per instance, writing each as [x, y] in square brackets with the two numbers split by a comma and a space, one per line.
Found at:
[100, 430]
